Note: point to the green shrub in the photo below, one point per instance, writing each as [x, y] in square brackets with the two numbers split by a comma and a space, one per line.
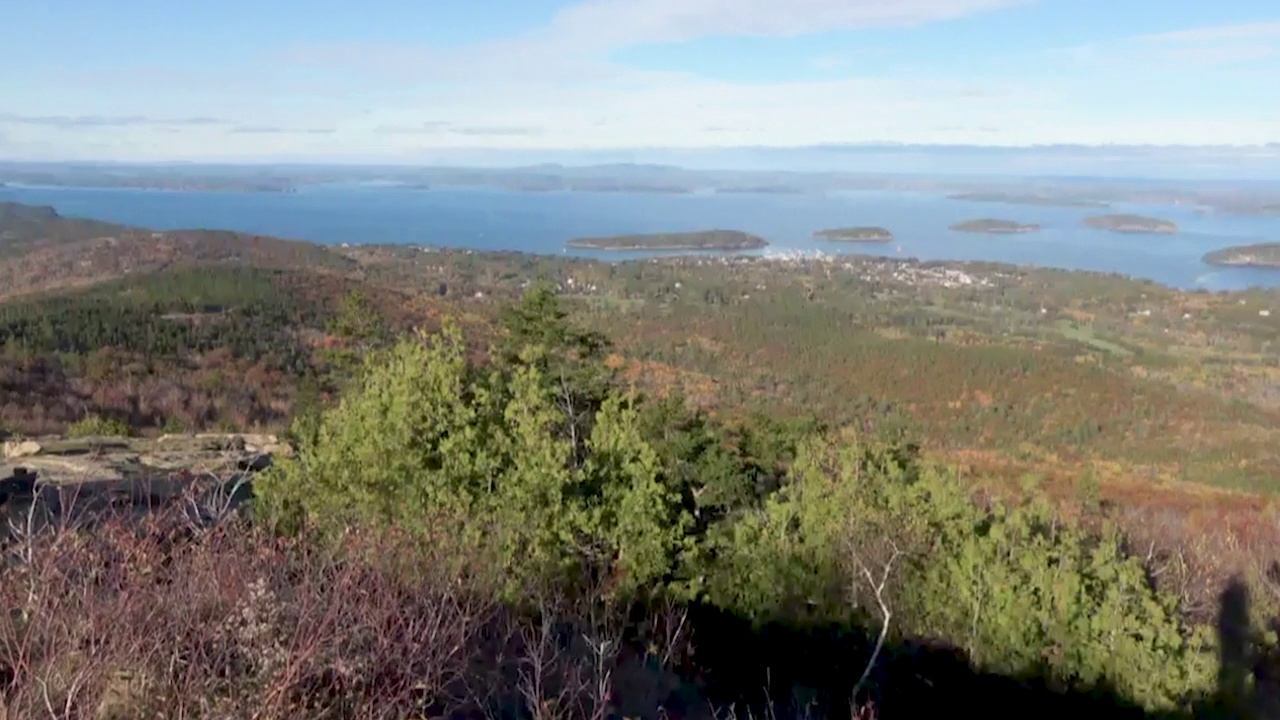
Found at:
[98, 426]
[1026, 594]
[425, 441]
[1022, 592]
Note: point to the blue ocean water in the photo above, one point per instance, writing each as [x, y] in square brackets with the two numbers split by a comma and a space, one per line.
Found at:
[484, 219]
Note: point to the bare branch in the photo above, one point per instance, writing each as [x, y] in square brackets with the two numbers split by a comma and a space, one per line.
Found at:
[886, 614]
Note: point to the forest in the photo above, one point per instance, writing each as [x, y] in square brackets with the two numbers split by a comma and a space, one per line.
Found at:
[188, 349]
[553, 488]
[577, 548]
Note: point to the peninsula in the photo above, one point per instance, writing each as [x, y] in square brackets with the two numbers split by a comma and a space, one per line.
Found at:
[1262, 255]
[704, 240]
[856, 234]
[1131, 224]
[998, 227]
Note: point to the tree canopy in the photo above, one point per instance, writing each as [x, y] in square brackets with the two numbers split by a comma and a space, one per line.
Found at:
[647, 498]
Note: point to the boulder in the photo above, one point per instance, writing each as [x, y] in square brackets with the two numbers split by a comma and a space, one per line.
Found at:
[20, 449]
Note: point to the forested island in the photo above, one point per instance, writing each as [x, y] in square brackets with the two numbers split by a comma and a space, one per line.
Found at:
[1125, 223]
[759, 190]
[999, 227]
[856, 234]
[1028, 199]
[1262, 255]
[702, 240]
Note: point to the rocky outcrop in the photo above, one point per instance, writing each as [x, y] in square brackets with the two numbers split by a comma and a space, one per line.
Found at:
[87, 478]
[20, 448]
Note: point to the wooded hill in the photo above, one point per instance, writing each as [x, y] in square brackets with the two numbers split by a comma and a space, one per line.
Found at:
[1119, 403]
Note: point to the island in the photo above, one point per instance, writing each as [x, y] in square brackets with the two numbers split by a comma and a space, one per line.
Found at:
[759, 190]
[610, 186]
[1027, 199]
[998, 227]
[1131, 224]
[1262, 255]
[704, 240]
[856, 234]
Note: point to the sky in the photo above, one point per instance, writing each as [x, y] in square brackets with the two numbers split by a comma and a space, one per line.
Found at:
[421, 80]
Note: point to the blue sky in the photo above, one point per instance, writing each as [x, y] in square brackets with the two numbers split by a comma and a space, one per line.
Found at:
[415, 80]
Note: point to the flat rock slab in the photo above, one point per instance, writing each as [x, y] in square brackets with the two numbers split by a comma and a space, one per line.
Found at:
[83, 477]
[63, 461]
[20, 448]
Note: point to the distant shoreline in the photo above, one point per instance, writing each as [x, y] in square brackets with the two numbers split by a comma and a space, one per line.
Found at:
[143, 187]
[1012, 187]
[704, 240]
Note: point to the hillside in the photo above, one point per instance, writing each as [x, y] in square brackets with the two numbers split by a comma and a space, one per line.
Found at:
[783, 333]
[1114, 402]
[28, 227]
[41, 250]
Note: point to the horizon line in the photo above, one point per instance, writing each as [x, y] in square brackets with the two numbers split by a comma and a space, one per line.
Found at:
[869, 145]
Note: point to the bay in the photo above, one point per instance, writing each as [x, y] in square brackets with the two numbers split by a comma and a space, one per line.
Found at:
[489, 219]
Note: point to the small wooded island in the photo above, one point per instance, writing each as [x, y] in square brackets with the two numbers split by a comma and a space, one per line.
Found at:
[1028, 199]
[999, 227]
[1131, 224]
[1262, 255]
[855, 234]
[759, 190]
[704, 240]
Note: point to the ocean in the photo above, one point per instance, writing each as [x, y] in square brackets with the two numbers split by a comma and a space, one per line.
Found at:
[487, 219]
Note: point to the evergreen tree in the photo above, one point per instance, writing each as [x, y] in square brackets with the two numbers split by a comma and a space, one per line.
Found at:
[571, 361]
[361, 329]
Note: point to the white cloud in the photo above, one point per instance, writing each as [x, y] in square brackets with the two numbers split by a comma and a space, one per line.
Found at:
[575, 45]
[79, 122]
[560, 87]
[1218, 33]
[555, 83]
[685, 112]
[623, 23]
[691, 112]
[1200, 47]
